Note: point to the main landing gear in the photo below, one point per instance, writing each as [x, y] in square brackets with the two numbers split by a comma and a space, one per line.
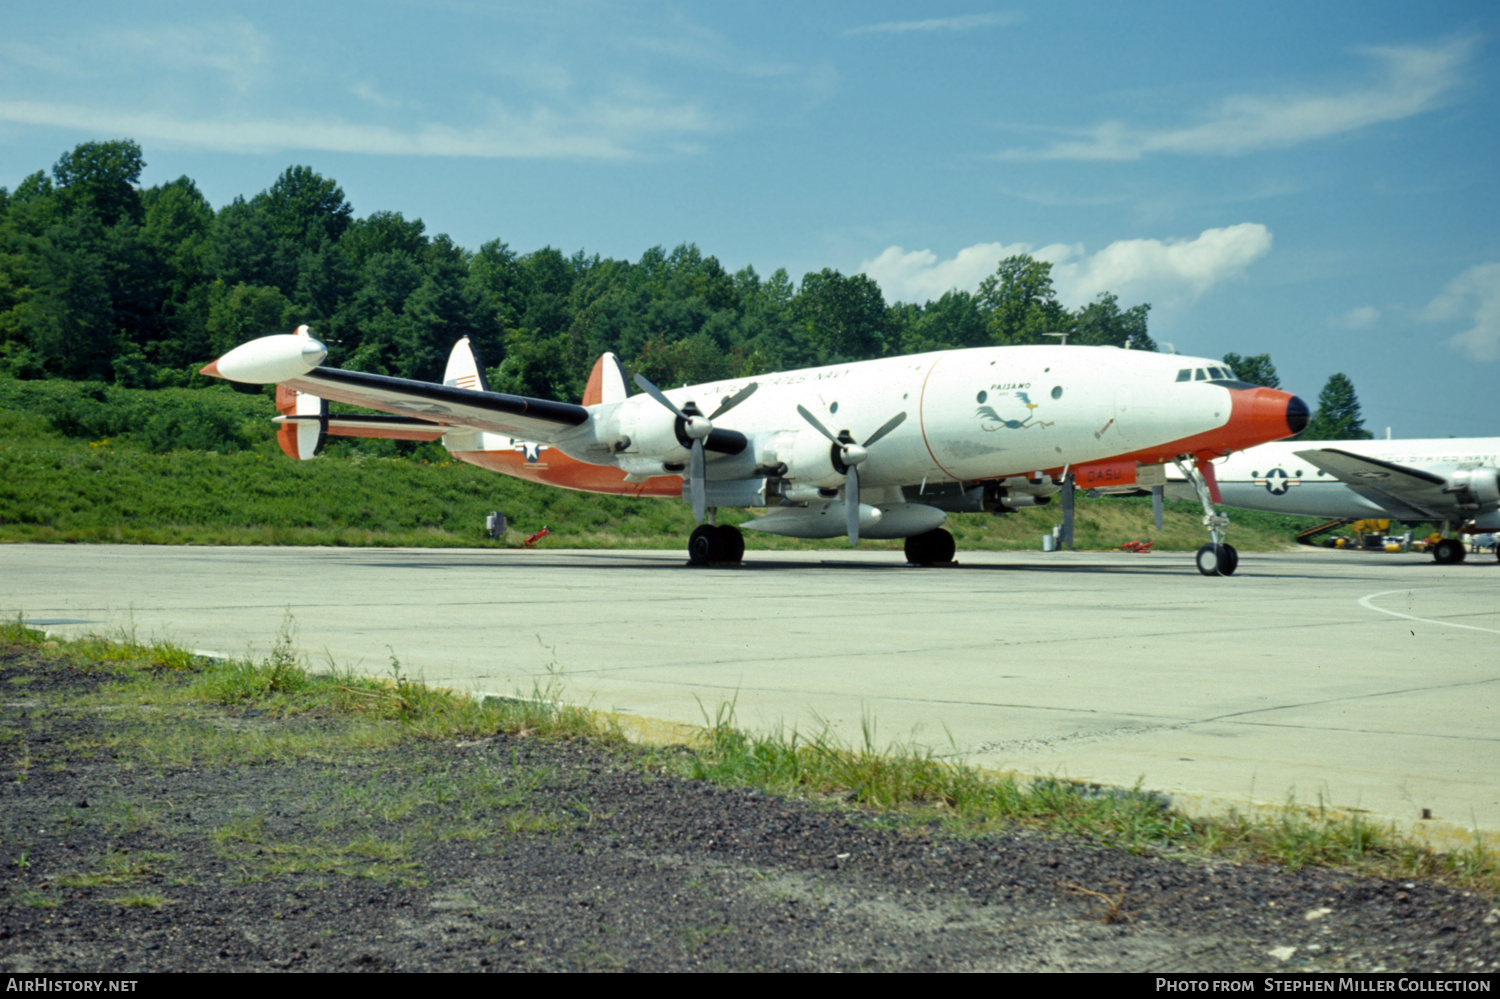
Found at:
[1449, 551]
[934, 546]
[711, 544]
[1218, 557]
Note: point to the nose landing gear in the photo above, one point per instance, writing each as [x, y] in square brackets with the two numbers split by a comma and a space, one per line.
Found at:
[1218, 557]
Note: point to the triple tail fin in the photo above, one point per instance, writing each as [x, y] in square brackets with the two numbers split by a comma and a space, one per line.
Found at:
[464, 370]
[606, 381]
[303, 436]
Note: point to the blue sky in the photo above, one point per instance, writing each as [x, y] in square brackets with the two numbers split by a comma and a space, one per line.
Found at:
[1316, 181]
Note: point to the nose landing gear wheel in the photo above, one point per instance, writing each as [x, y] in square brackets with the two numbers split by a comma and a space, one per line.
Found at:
[1218, 560]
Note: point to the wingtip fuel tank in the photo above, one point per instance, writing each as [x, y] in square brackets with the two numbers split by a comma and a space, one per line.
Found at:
[270, 359]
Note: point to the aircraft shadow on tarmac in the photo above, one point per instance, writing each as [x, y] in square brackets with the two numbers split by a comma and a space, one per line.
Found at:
[667, 561]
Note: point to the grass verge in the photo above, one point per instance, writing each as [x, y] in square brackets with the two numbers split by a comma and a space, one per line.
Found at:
[177, 710]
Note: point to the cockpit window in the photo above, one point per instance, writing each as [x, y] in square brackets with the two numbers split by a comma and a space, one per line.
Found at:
[1200, 375]
[1216, 372]
[1185, 375]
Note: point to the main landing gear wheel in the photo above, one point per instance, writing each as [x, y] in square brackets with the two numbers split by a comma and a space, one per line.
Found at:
[734, 543]
[1449, 551]
[934, 546]
[1218, 560]
[705, 545]
[709, 544]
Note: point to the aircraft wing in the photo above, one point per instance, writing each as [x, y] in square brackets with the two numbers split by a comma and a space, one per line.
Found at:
[1407, 493]
[539, 420]
[293, 360]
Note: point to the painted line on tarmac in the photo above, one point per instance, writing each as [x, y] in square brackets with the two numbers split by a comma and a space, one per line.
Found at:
[1365, 603]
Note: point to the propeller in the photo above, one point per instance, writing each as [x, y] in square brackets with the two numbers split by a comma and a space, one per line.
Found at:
[696, 427]
[851, 455]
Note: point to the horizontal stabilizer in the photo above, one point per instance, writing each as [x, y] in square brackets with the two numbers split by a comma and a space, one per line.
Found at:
[400, 428]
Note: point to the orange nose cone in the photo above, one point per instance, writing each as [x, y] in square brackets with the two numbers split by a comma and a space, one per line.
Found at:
[1260, 415]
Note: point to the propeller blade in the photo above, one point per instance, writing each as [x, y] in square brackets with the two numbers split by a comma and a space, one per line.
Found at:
[890, 425]
[734, 400]
[696, 472]
[851, 503]
[655, 393]
[816, 425]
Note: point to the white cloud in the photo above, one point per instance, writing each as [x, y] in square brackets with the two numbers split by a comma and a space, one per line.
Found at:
[229, 86]
[966, 22]
[1413, 80]
[603, 130]
[1473, 296]
[1131, 268]
[1360, 318]
[236, 50]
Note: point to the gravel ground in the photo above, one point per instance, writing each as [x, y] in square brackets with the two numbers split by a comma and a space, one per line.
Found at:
[512, 853]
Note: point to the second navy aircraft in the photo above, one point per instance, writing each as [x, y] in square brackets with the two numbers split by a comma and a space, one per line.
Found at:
[1454, 481]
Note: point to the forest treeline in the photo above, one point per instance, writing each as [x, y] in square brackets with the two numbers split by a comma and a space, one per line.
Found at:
[103, 280]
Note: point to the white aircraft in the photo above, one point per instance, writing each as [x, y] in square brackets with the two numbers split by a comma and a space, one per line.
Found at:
[914, 438]
[1453, 480]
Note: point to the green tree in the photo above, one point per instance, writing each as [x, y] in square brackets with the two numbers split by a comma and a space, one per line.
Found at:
[305, 208]
[242, 313]
[953, 321]
[1019, 303]
[1337, 417]
[68, 319]
[380, 232]
[1256, 369]
[1103, 323]
[840, 318]
[102, 176]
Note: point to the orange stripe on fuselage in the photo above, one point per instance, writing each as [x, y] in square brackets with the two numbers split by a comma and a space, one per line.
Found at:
[553, 468]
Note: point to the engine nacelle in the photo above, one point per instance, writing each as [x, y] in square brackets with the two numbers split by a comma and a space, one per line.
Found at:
[809, 460]
[1477, 486]
[643, 429]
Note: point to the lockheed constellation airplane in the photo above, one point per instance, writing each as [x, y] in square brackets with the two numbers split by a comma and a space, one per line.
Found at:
[1452, 480]
[877, 449]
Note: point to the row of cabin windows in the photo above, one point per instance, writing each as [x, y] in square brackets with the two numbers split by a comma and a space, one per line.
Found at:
[1198, 375]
